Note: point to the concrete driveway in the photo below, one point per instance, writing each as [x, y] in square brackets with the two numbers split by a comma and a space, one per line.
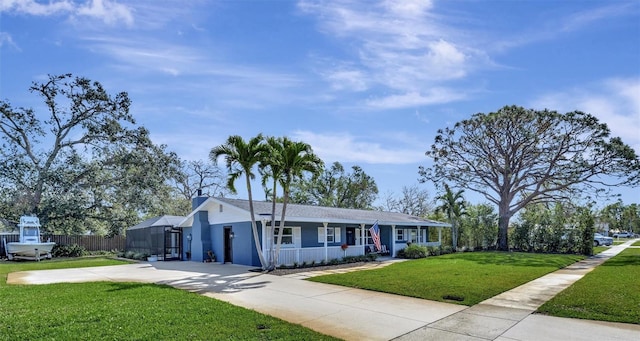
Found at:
[347, 313]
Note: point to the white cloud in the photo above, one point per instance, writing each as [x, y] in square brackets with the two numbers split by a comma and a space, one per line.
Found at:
[401, 46]
[344, 147]
[107, 11]
[6, 39]
[32, 7]
[614, 101]
[416, 99]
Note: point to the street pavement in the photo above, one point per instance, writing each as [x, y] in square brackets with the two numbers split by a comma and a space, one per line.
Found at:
[355, 314]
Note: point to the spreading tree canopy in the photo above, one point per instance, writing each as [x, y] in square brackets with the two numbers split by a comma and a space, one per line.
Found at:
[84, 165]
[335, 187]
[517, 156]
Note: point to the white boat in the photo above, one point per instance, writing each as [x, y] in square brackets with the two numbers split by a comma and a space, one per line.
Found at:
[30, 246]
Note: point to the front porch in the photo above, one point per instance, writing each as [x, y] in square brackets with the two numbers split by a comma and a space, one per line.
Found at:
[315, 255]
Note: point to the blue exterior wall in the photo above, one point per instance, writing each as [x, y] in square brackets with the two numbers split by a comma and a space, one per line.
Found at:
[188, 246]
[201, 236]
[243, 247]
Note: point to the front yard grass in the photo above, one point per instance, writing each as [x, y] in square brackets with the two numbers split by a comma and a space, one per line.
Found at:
[636, 243]
[611, 292]
[464, 278]
[127, 311]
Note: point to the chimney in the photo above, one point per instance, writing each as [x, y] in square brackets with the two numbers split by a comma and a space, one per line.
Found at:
[198, 200]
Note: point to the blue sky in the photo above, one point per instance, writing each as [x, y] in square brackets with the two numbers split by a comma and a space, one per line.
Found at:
[364, 82]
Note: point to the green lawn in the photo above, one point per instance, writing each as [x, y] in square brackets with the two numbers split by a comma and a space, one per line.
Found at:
[636, 243]
[464, 278]
[598, 249]
[131, 311]
[611, 292]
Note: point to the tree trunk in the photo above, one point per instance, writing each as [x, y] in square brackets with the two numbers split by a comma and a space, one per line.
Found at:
[282, 219]
[256, 238]
[503, 226]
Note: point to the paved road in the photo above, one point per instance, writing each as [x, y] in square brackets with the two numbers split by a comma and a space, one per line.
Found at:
[354, 314]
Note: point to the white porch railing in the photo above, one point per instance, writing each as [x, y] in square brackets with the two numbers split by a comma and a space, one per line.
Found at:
[316, 254]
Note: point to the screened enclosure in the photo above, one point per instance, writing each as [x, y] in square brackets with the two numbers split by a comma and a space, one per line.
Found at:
[157, 237]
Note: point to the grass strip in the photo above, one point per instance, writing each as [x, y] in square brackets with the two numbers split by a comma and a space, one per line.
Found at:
[462, 278]
[608, 293]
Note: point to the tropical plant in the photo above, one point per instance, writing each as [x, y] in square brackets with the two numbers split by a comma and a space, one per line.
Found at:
[453, 206]
[240, 158]
[286, 162]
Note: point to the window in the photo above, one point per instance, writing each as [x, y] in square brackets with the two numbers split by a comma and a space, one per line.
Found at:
[400, 235]
[414, 236]
[333, 235]
[291, 237]
[287, 236]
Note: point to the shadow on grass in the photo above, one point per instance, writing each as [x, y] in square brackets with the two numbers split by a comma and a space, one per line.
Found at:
[120, 286]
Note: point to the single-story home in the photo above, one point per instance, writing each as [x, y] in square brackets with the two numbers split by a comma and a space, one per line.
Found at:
[311, 233]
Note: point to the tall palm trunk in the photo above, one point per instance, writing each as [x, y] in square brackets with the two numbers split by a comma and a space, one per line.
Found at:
[281, 229]
[256, 237]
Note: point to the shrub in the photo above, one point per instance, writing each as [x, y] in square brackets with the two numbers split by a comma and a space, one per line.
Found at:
[433, 250]
[414, 251]
[446, 250]
[73, 250]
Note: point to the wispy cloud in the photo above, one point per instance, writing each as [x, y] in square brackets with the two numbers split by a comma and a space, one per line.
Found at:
[614, 101]
[555, 25]
[345, 147]
[400, 46]
[32, 7]
[107, 11]
[6, 39]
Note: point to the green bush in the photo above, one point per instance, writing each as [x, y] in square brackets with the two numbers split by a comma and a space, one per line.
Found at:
[74, 250]
[433, 250]
[413, 251]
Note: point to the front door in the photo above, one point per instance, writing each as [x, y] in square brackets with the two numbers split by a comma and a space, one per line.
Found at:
[351, 236]
[228, 245]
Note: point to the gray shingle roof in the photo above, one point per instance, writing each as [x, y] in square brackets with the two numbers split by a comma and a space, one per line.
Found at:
[297, 212]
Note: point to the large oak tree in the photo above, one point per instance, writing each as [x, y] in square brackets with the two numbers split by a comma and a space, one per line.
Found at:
[79, 161]
[517, 156]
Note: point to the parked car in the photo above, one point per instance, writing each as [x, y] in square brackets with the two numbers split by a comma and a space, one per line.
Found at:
[623, 235]
[599, 239]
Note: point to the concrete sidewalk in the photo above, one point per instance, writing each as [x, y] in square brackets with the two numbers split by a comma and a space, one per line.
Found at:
[354, 314]
[509, 316]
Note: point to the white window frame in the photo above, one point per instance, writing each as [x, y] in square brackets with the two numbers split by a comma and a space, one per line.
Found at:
[296, 237]
[400, 235]
[333, 235]
[413, 236]
[284, 234]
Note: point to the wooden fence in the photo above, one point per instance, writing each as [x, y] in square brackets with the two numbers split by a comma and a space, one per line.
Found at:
[90, 243]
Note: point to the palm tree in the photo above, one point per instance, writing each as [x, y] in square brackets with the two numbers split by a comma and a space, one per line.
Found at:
[270, 169]
[453, 206]
[287, 161]
[240, 158]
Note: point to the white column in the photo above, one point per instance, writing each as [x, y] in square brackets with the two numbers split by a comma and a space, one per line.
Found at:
[363, 238]
[440, 235]
[419, 237]
[326, 250]
[392, 245]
